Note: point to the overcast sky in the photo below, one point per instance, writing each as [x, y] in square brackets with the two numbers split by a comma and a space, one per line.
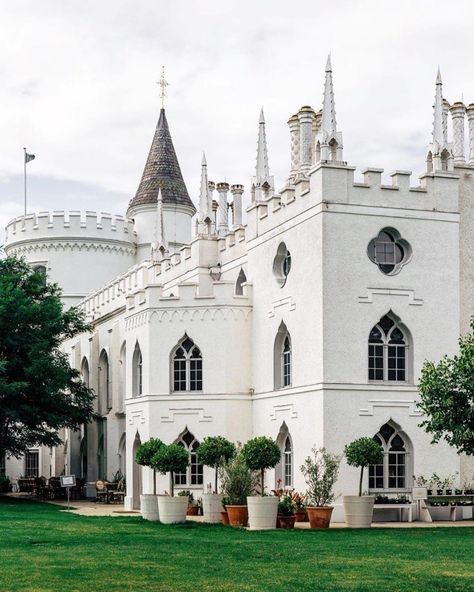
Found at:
[78, 87]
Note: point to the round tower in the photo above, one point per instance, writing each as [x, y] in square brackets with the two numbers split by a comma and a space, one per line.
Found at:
[162, 171]
[81, 251]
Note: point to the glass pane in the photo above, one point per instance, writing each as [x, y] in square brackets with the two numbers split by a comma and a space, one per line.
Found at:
[386, 323]
[386, 431]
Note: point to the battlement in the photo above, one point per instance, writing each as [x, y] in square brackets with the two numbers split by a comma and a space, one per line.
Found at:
[333, 183]
[69, 224]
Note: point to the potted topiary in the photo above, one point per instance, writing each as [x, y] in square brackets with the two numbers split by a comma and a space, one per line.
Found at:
[171, 459]
[262, 453]
[320, 472]
[143, 457]
[286, 511]
[213, 452]
[359, 509]
[237, 482]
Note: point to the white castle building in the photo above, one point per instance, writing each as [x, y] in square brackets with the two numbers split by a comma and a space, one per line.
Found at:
[309, 322]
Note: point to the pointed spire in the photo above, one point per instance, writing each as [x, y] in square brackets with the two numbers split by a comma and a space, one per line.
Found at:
[438, 135]
[162, 169]
[328, 119]
[204, 191]
[262, 182]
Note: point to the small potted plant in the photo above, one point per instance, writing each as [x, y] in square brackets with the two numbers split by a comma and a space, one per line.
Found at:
[286, 511]
[437, 483]
[320, 472]
[224, 514]
[171, 459]
[262, 453]
[359, 509]
[213, 452]
[143, 457]
[301, 514]
[237, 482]
[420, 489]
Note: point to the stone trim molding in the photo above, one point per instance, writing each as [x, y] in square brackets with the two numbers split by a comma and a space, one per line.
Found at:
[409, 404]
[174, 411]
[371, 292]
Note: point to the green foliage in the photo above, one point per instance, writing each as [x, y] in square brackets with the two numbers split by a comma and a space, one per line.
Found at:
[147, 450]
[320, 472]
[261, 453]
[286, 505]
[213, 451]
[237, 480]
[361, 453]
[447, 397]
[39, 391]
[5, 485]
[172, 459]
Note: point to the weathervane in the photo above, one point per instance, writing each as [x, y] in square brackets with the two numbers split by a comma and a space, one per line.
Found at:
[162, 84]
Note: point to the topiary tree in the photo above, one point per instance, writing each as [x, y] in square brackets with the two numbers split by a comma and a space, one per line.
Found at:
[214, 451]
[447, 397]
[261, 453]
[145, 453]
[171, 459]
[361, 453]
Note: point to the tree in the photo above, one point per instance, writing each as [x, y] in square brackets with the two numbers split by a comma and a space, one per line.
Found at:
[214, 451]
[362, 453]
[261, 453]
[447, 397]
[171, 458]
[39, 391]
[145, 453]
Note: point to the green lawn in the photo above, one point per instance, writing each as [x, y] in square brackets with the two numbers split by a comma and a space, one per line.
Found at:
[45, 549]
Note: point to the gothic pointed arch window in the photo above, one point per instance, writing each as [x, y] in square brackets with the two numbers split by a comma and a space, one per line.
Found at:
[285, 468]
[195, 471]
[137, 372]
[123, 377]
[186, 366]
[282, 358]
[85, 371]
[396, 469]
[388, 351]
[241, 279]
[105, 395]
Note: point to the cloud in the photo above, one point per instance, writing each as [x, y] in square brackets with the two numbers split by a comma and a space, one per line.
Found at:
[78, 87]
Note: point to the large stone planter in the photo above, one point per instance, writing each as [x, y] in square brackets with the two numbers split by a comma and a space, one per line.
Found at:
[262, 512]
[238, 515]
[172, 509]
[319, 516]
[358, 510]
[149, 507]
[212, 507]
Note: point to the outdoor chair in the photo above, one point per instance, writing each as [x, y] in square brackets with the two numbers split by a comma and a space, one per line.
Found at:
[102, 495]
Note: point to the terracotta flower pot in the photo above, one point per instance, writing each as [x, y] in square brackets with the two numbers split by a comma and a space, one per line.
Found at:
[319, 517]
[225, 517]
[300, 516]
[287, 521]
[238, 515]
[192, 511]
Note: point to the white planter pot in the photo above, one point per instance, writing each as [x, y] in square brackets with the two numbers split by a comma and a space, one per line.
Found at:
[149, 507]
[172, 509]
[212, 507]
[358, 510]
[262, 512]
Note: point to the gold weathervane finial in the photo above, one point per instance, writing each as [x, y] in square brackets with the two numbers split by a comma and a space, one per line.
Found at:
[162, 84]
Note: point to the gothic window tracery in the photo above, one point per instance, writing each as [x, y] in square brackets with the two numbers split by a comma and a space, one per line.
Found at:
[282, 358]
[282, 264]
[195, 471]
[387, 353]
[137, 372]
[187, 366]
[389, 251]
[394, 472]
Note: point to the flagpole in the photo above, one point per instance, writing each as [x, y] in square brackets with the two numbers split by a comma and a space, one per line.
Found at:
[24, 173]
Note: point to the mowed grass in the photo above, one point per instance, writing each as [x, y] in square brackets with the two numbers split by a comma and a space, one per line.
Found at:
[44, 549]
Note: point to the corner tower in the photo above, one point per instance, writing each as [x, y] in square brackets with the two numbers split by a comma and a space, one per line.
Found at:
[162, 171]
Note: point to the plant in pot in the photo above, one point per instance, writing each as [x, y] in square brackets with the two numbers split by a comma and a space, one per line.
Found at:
[262, 453]
[420, 488]
[359, 509]
[320, 472]
[437, 483]
[300, 500]
[224, 514]
[171, 459]
[237, 482]
[143, 457]
[213, 452]
[286, 511]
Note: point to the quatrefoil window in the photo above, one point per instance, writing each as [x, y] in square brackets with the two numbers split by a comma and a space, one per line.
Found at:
[389, 251]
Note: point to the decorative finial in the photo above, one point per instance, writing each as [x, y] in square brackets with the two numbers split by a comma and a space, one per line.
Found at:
[262, 116]
[162, 84]
[328, 63]
[438, 77]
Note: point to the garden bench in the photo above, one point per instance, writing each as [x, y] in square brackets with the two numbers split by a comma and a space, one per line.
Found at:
[406, 509]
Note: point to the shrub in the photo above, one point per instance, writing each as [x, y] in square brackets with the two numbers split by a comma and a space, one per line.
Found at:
[170, 459]
[286, 505]
[145, 453]
[320, 472]
[237, 480]
[261, 453]
[5, 485]
[213, 451]
[361, 453]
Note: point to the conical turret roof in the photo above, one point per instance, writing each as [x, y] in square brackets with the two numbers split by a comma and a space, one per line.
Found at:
[162, 170]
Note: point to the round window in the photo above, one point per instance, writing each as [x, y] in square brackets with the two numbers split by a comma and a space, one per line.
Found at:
[282, 264]
[389, 251]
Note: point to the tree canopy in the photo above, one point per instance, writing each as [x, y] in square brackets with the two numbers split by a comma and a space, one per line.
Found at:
[447, 397]
[39, 391]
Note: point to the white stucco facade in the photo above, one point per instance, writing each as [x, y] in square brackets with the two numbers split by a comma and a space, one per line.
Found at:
[227, 289]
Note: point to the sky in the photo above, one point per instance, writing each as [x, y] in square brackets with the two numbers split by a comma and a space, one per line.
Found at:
[78, 88]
